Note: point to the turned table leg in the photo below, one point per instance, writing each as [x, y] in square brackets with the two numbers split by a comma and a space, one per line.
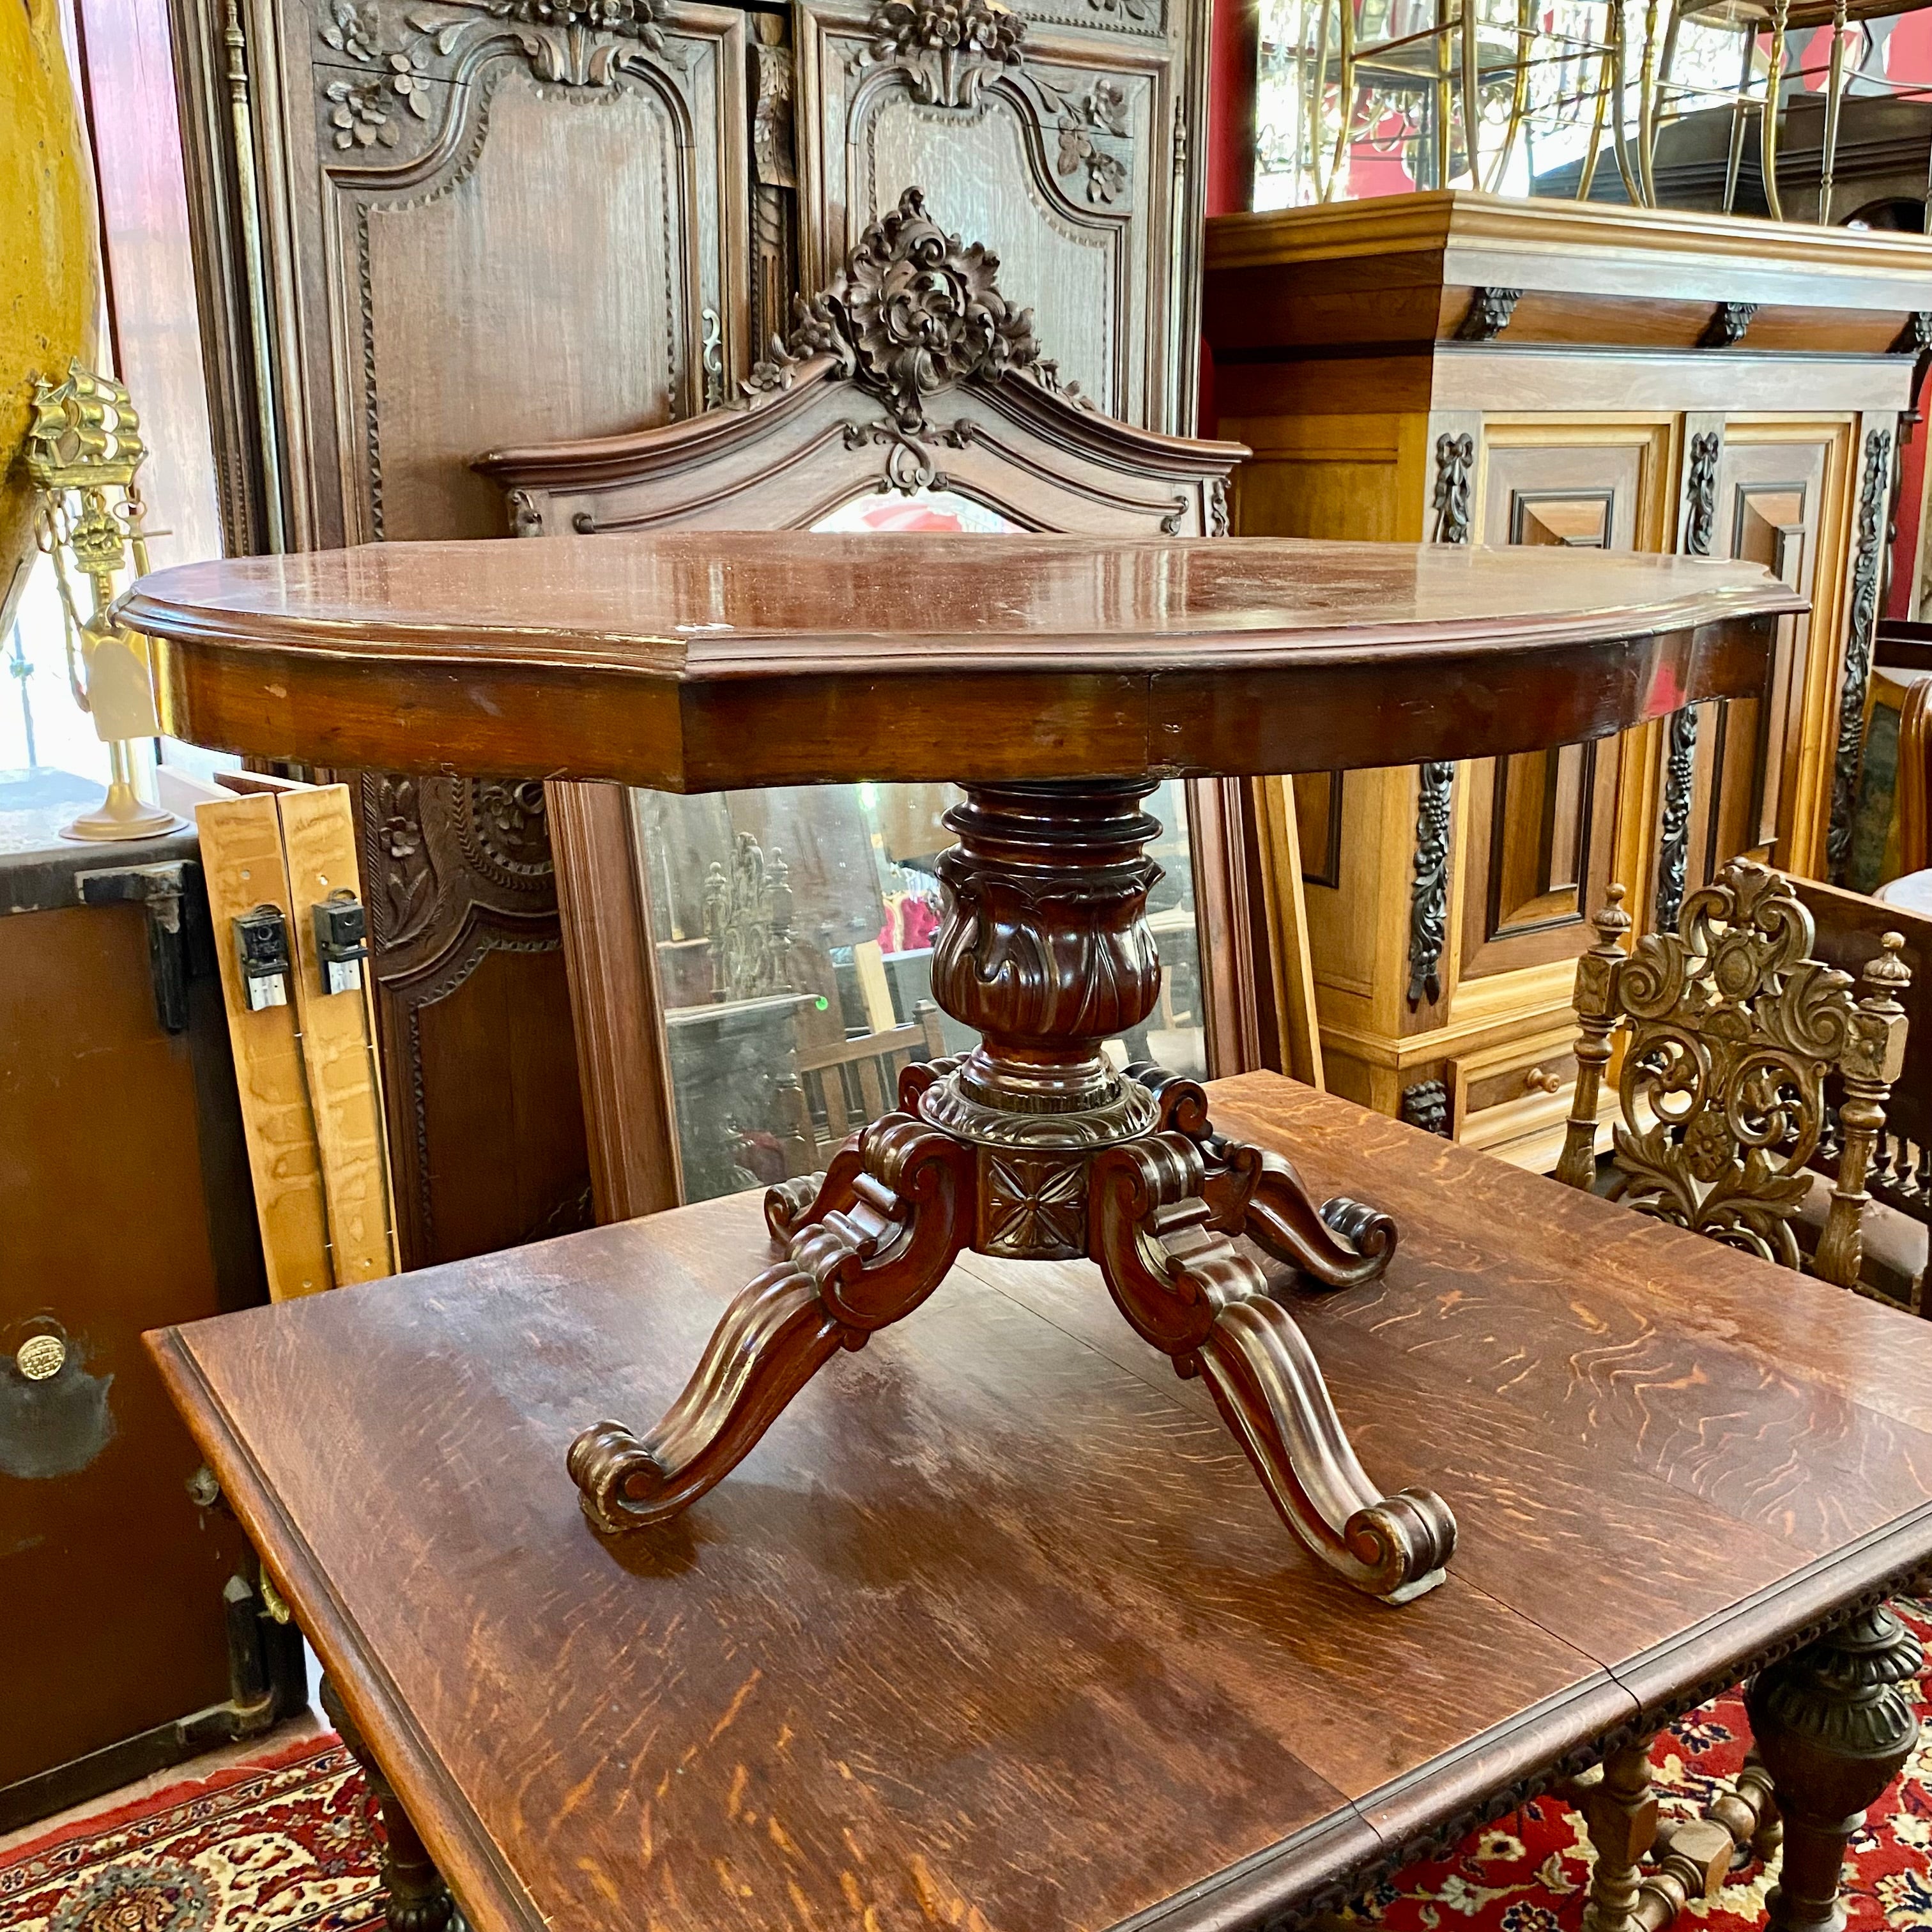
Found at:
[418, 1901]
[1619, 1806]
[1833, 1725]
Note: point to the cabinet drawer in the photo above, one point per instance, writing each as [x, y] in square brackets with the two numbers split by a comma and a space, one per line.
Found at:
[1513, 1093]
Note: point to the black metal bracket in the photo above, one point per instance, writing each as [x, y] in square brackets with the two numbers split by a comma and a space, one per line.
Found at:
[160, 888]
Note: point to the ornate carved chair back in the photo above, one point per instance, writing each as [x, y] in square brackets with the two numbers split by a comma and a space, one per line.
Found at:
[748, 922]
[1729, 1030]
[1851, 929]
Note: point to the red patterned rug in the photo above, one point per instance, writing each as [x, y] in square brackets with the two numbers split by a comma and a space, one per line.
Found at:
[281, 1844]
[287, 1844]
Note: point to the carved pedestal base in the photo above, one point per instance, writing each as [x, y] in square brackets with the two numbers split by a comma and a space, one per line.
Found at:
[1033, 1148]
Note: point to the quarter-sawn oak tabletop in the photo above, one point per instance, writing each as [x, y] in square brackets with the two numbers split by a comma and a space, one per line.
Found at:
[994, 1629]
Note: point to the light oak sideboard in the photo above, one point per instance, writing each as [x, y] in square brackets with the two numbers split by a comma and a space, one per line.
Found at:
[1466, 369]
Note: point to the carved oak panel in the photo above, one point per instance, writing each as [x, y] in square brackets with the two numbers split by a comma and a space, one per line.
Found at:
[1732, 765]
[493, 227]
[1066, 146]
[1540, 842]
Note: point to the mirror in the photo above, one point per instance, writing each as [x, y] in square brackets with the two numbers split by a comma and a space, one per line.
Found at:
[792, 928]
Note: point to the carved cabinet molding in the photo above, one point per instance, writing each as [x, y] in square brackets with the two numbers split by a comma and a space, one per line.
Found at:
[1063, 132]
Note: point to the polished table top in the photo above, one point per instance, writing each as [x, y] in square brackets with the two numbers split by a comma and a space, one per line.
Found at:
[994, 1628]
[693, 661]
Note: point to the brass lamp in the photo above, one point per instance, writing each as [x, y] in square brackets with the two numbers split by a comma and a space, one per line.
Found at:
[82, 449]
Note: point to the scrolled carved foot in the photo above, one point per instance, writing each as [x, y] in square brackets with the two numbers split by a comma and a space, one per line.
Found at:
[1170, 1267]
[889, 1220]
[1336, 1243]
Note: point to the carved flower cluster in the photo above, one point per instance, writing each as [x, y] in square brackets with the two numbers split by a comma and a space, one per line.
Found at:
[902, 27]
[576, 43]
[926, 311]
[914, 310]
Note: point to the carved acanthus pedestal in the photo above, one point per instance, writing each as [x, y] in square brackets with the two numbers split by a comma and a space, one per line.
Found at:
[1035, 1147]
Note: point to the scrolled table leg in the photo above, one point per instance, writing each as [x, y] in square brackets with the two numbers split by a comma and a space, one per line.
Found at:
[1834, 1724]
[893, 1212]
[1186, 1289]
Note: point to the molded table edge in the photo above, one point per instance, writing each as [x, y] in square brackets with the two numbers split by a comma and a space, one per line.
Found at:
[1402, 1820]
[1521, 1759]
[465, 1853]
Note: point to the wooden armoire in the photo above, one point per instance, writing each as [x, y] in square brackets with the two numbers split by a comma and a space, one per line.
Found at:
[1461, 368]
[427, 229]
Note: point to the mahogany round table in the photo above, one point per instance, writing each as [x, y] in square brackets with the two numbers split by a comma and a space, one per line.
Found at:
[1056, 680]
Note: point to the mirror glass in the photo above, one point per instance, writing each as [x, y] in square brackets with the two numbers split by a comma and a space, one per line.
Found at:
[793, 930]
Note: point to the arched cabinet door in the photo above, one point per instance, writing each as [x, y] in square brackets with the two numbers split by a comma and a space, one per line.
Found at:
[1063, 130]
[434, 225]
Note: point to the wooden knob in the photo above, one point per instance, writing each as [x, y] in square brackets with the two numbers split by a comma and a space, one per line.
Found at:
[1541, 1080]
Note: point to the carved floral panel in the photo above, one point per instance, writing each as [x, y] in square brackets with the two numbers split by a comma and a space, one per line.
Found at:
[1060, 147]
[526, 214]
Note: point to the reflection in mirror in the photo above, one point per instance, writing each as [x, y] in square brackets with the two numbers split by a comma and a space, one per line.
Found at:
[793, 930]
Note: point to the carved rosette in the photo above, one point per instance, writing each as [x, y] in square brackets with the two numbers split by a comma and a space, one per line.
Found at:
[1032, 1206]
[503, 826]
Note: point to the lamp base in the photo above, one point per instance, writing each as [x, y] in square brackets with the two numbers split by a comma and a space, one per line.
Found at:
[122, 814]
